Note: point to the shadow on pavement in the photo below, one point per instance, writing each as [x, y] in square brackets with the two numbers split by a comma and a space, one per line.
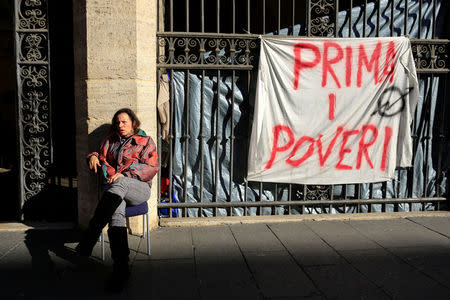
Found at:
[56, 269]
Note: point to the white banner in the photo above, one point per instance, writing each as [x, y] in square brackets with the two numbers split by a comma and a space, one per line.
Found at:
[332, 111]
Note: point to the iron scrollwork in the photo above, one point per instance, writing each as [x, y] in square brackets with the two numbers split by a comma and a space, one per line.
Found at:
[322, 17]
[318, 192]
[32, 54]
[202, 50]
[33, 47]
[430, 55]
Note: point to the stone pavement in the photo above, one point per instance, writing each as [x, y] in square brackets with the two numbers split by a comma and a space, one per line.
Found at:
[397, 258]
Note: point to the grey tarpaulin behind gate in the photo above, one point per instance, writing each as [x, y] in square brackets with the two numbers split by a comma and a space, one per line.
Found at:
[425, 157]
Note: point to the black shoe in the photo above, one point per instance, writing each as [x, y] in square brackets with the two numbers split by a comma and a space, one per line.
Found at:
[103, 213]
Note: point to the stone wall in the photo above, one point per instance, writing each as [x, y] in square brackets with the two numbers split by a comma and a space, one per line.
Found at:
[115, 67]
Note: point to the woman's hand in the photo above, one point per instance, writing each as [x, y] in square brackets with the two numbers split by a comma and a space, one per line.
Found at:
[94, 163]
[113, 178]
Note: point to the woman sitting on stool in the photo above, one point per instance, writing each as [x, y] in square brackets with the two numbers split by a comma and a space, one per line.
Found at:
[128, 160]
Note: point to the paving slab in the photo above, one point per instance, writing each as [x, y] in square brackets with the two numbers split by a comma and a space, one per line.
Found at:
[229, 289]
[341, 236]
[342, 281]
[217, 255]
[278, 275]
[220, 266]
[216, 240]
[305, 246]
[163, 279]
[432, 261]
[298, 298]
[441, 225]
[9, 241]
[399, 233]
[397, 278]
[256, 237]
[173, 243]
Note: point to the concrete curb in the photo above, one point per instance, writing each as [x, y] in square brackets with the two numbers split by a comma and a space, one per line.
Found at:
[180, 222]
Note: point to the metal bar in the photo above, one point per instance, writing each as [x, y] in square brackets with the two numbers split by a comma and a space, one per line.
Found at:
[276, 192]
[441, 136]
[414, 136]
[209, 35]
[205, 67]
[279, 17]
[247, 96]
[420, 19]
[260, 196]
[433, 33]
[378, 17]
[158, 149]
[293, 16]
[35, 63]
[171, 15]
[171, 138]
[202, 14]
[427, 132]
[148, 235]
[432, 71]
[37, 30]
[299, 203]
[218, 15]
[248, 16]
[232, 137]
[234, 16]
[358, 191]
[202, 135]
[186, 133]
[216, 177]
[350, 19]
[396, 188]
[406, 18]
[411, 176]
[309, 18]
[392, 17]
[289, 198]
[365, 18]
[255, 37]
[264, 16]
[245, 195]
[336, 18]
[102, 243]
[187, 15]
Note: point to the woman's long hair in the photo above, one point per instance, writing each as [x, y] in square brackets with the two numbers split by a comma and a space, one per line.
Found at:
[134, 120]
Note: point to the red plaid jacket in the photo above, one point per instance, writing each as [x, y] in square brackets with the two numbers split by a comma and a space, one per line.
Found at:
[137, 158]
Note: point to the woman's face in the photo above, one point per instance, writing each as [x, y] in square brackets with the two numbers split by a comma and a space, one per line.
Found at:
[124, 124]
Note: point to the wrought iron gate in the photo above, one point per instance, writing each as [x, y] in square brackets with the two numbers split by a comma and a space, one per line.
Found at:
[219, 39]
[48, 181]
[33, 90]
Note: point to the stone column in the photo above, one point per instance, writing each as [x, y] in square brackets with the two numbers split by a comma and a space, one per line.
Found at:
[115, 67]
